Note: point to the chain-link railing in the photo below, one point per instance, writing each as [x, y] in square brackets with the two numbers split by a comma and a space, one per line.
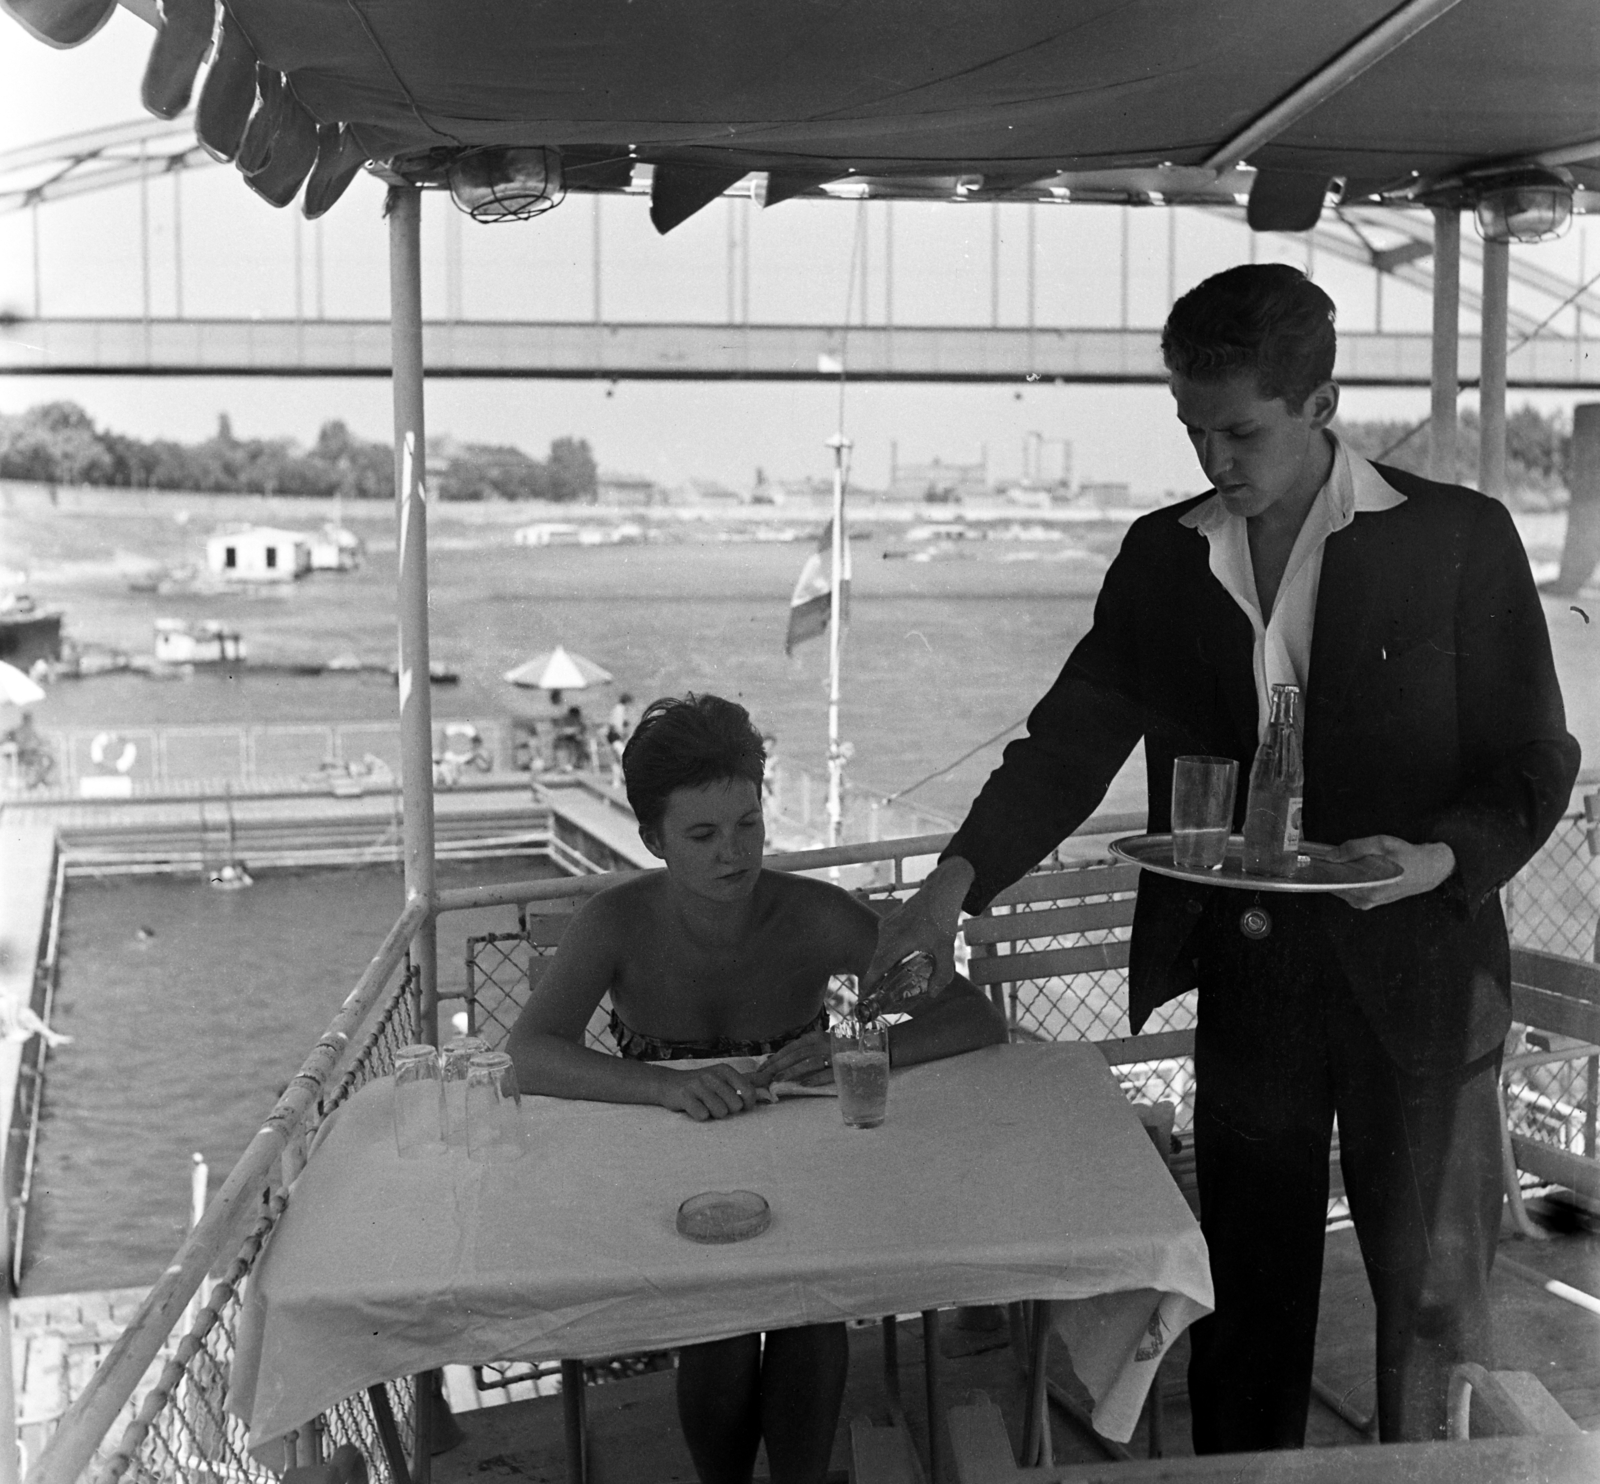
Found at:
[1552, 1082]
[502, 969]
[1554, 901]
[180, 1428]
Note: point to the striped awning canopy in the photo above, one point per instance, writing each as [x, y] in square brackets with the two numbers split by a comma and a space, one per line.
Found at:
[1133, 100]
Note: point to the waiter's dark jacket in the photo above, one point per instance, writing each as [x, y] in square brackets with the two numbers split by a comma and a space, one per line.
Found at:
[1433, 714]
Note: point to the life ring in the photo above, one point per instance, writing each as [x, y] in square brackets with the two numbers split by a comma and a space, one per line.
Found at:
[109, 750]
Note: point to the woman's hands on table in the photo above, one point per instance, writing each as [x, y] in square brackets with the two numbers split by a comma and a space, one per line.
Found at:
[709, 1092]
[807, 1060]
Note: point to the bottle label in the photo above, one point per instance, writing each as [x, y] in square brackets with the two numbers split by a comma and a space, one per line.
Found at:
[1291, 825]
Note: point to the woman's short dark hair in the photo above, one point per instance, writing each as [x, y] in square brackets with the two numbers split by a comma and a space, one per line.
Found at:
[1267, 319]
[687, 742]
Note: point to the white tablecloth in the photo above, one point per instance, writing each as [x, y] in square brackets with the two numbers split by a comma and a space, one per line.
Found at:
[1016, 1172]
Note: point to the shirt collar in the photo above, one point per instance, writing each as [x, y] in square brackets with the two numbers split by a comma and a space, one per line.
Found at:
[1354, 488]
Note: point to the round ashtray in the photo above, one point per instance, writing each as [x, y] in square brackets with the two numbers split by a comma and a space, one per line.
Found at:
[724, 1216]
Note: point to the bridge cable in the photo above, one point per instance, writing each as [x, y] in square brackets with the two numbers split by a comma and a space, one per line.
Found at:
[1471, 382]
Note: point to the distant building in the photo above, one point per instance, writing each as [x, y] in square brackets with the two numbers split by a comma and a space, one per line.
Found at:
[549, 533]
[628, 491]
[814, 489]
[708, 492]
[939, 483]
[259, 554]
[335, 549]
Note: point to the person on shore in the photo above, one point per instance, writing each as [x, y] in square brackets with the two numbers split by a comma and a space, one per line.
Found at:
[710, 959]
[570, 747]
[1434, 737]
[619, 727]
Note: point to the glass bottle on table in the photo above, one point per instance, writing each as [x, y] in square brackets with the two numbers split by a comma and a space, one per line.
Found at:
[1277, 791]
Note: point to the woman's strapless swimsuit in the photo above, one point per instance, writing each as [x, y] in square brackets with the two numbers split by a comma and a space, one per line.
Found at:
[637, 1047]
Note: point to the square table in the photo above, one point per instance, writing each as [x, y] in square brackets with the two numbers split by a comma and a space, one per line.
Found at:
[1007, 1174]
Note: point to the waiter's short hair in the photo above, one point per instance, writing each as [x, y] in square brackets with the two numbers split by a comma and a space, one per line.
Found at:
[687, 742]
[1267, 319]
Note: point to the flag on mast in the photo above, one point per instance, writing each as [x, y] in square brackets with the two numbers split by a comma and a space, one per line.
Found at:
[812, 600]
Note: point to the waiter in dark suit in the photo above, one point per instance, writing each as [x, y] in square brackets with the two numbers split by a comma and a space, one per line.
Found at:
[1434, 736]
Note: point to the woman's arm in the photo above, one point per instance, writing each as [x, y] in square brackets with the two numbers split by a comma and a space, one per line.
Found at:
[960, 1017]
[957, 1018]
[546, 1043]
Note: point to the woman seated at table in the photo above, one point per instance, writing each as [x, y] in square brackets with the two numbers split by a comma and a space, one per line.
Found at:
[716, 957]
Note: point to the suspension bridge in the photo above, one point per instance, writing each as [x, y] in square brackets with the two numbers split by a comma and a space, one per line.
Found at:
[1551, 317]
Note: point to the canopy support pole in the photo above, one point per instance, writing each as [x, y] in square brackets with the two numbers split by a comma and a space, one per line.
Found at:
[411, 515]
[1492, 378]
[1446, 343]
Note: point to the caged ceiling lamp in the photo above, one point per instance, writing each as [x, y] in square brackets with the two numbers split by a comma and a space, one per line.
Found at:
[1527, 205]
[506, 184]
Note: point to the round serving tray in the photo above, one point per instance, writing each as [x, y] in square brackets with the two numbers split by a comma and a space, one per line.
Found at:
[1314, 870]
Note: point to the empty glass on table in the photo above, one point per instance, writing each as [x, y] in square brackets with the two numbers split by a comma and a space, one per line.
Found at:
[454, 1058]
[417, 1101]
[494, 1107]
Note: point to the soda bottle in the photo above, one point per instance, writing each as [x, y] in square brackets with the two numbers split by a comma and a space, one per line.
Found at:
[1277, 788]
[908, 979]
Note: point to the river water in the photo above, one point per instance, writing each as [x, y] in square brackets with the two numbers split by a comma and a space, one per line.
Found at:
[189, 1010]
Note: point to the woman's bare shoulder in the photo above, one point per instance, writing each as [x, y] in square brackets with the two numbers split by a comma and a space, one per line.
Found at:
[622, 904]
[820, 902]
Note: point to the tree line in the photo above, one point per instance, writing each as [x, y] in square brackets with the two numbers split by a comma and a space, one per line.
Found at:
[1538, 451]
[58, 443]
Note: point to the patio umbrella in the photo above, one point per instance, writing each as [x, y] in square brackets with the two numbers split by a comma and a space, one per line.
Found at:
[558, 671]
[17, 693]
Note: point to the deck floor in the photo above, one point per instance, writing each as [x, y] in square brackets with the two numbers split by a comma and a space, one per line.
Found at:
[635, 1438]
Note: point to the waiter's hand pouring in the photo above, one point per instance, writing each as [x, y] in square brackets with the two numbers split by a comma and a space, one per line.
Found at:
[925, 921]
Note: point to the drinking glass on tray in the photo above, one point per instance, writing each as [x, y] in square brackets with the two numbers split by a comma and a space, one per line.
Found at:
[1202, 810]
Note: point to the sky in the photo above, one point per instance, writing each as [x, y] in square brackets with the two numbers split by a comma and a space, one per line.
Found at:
[242, 258]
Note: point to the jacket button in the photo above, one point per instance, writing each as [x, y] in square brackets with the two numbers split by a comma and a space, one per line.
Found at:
[1255, 923]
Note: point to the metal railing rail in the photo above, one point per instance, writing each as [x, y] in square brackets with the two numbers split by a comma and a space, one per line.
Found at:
[88, 1420]
[95, 1411]
[97, 1408]
[516, 893]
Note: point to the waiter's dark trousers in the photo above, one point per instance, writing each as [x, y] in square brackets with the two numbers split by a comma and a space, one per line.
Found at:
[1280, 1049]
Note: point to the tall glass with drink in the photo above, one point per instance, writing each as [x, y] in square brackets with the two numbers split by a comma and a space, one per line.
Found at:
[860, 1051]
[1277, 791]
[1202, 810]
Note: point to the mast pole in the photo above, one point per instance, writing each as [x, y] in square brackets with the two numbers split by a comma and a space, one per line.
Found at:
[836, 753]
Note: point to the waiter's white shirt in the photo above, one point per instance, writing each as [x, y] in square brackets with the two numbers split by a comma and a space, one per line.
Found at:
[1282, 652]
